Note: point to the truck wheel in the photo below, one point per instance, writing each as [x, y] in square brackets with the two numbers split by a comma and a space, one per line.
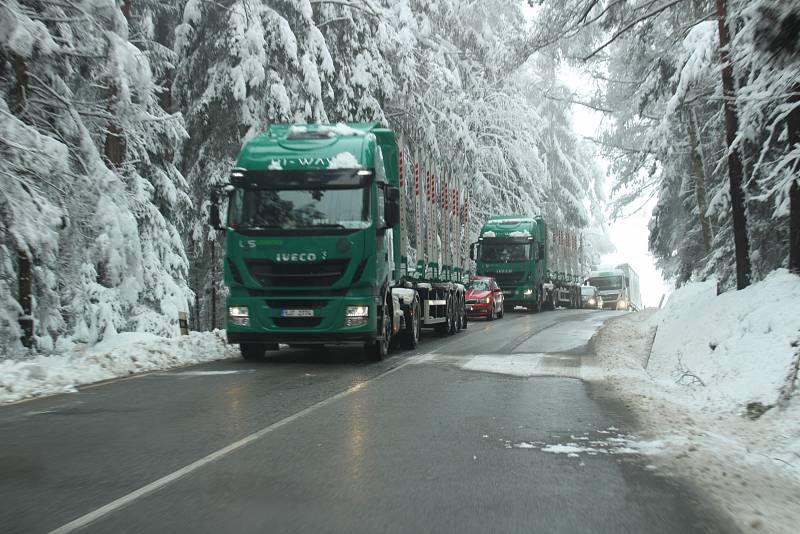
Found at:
[253, 352]
[444, 328]
[377, 350]
[539, 298]
[410, 336]
[454, 318]
[461, 312]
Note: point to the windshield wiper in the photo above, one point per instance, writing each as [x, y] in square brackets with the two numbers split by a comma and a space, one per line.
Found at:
[328, 225]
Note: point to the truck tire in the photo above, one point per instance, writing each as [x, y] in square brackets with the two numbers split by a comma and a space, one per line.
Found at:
[409, 338]
[444, 328]
[455, 320]
[461, 314]
[253, 352]
[377, 350]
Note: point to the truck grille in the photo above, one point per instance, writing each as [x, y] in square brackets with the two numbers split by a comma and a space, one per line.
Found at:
[296, 304]
[507, 279]
[325, 273]
[296, 322]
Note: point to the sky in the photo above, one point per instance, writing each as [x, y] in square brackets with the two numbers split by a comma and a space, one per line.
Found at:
[629, 234]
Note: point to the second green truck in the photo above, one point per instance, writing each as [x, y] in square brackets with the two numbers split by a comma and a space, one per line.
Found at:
[536, 267]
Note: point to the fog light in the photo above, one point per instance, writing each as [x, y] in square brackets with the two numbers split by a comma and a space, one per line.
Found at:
[239, 315]
[357, 311]
[356, 315]
[621, 304]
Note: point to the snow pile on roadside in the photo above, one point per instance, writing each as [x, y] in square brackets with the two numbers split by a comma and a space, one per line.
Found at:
[717, 362]
[740, 345]
[120, 355]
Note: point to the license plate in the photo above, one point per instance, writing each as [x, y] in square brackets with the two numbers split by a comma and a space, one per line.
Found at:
[297, 313]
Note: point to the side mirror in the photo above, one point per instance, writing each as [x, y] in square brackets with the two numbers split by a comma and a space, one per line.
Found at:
[213, 216]
[392, 209]
[472, 251]
[214, 219]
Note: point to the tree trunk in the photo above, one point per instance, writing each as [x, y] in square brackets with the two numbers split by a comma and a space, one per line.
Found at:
[700, 184]
[19, 93]
[793, 131]
[734, 163]
[25, 297]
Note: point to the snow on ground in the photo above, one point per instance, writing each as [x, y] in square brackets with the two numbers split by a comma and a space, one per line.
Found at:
[716, 363]
[120, 355]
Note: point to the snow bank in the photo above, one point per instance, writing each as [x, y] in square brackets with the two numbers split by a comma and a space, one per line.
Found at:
[120, 355]
[740, 345]
[712, 357]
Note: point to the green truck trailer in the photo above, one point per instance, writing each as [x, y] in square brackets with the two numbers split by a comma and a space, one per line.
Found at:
[319, 232]
[535, 266]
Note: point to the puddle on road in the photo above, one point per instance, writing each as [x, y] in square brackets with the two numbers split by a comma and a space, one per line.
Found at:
[206, 373]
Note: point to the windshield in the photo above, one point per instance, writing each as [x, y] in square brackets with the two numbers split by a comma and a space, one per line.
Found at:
[295, 209]
[479, 285]
[607, 282]
[504, 252]
[587, 290]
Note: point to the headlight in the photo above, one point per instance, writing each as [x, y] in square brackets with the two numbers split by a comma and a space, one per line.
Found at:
[239, 315]
[621, 304]
[591, 301]
[528, 292]
[356, 315]
[487, 300]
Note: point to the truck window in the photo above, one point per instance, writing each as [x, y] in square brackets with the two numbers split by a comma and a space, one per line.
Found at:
[607, 282]
[504, 251]
[259, 209]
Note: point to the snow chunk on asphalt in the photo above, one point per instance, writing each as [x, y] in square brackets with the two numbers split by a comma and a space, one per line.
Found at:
[344, 160]
[120, 355]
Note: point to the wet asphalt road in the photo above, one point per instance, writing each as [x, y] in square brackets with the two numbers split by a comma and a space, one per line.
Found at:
[442, 439]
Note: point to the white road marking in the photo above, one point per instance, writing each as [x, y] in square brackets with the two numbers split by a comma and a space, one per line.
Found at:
[85, 520]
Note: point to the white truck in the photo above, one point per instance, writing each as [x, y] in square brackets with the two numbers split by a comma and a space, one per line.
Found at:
[619, 287]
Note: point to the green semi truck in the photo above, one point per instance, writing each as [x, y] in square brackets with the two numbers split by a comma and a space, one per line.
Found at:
[317, 241]
[536, 267]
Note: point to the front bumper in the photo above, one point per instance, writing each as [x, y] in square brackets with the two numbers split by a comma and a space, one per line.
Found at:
[314, 338]
[326, 324]
[479, 310]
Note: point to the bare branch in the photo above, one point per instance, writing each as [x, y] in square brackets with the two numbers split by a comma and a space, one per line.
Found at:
[630, 25]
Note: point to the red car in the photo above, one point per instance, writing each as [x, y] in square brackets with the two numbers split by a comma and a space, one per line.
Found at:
[484, 298]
